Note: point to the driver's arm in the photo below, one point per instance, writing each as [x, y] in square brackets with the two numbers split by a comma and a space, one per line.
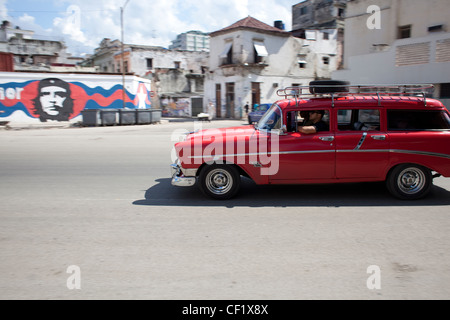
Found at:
[307, 129]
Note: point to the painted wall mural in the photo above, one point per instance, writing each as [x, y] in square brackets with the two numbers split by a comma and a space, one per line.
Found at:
[176, 107]
[59, 100]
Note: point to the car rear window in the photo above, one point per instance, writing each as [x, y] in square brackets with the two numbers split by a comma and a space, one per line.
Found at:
[418, 120]
[359, 120]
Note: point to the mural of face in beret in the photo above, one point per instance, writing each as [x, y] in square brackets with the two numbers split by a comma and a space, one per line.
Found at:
[54, 101]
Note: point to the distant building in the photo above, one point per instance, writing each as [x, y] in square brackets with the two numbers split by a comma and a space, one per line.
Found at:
[103, 56]
[319, 15]
[411, 45]
[191, 41]
[250, 60]
[174, 74]
[31, 53]
[313, 14]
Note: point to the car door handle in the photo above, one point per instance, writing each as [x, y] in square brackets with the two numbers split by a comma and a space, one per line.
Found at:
[327, 138]
[378, 137]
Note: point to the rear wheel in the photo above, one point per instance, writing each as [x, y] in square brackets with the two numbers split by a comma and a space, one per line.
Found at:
[219, 181]
[409, 181]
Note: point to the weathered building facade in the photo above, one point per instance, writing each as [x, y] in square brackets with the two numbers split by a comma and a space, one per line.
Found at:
[318, 14]
[174, 74]
[33, 54]
[250, 60]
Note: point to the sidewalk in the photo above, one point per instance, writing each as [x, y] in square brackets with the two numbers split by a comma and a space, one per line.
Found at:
[14, 125]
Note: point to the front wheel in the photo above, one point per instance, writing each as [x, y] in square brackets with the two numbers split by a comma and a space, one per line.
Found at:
[219, 181]
[409, 182]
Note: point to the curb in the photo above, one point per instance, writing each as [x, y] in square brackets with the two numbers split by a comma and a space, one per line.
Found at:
[22, 126]
[78, 124]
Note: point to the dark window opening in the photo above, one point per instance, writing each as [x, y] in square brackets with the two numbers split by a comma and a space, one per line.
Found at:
[149, 63]
[229, 59]
[436, 28]
[404, 32]
[445, 91]
[258, 58]
[301, 34]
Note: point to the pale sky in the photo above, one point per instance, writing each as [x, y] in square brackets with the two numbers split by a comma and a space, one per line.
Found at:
[82, 24]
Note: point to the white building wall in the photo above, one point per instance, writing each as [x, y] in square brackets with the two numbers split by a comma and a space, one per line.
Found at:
[376, 56]
[282, 65]
[383, 67]
[420, 14]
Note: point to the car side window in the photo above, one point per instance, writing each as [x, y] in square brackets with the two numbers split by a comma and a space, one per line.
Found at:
[291, 121]
[359, 120]
[320, 119]
[418, 120]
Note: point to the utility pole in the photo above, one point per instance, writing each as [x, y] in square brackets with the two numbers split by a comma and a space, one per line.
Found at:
[123, 54]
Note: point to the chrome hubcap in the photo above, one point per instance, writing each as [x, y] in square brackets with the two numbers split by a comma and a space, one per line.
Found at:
[219, 181]
[411, 180]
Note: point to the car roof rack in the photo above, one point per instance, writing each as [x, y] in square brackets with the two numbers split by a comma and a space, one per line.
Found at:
[411, 90]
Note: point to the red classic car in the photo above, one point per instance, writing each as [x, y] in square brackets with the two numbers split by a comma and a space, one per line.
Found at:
[333, 133]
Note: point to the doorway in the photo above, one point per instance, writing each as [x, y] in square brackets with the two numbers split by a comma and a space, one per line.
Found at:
[218, 101]
[229, 95]
[256, 94]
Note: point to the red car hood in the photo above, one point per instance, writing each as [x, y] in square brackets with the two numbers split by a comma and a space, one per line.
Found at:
[222, 132]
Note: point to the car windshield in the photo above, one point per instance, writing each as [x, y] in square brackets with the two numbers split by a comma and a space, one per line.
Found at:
[271, 119]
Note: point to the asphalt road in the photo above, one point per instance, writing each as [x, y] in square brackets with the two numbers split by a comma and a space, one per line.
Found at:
[100, 199]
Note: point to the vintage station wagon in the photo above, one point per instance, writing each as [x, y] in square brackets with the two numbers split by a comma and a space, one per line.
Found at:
[394, 134]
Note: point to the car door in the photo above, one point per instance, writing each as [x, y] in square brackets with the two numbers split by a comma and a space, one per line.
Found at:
[362, 149]
[305, 157]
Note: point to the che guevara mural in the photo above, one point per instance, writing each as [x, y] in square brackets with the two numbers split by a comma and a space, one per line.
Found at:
[56, 99]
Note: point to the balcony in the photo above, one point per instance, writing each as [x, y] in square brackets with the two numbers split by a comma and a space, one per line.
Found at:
[237, 68]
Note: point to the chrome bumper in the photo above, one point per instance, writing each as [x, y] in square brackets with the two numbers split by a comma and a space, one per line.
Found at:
[178, 177]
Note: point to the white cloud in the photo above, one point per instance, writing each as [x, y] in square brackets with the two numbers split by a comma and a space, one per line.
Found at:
[27, 22]
[150, 22]
[70, 24]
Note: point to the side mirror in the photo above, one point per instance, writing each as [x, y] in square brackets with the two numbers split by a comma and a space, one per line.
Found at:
[283, 129]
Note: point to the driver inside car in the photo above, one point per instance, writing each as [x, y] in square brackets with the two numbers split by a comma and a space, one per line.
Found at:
[316, 123]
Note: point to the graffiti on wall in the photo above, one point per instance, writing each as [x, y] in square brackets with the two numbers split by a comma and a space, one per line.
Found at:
[56, 99]
[176, 107]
